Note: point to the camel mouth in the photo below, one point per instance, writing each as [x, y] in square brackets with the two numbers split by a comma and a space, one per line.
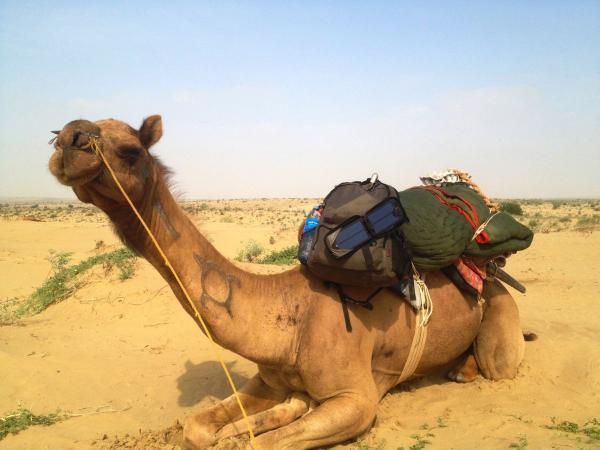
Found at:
[79, 180]
[83, 169]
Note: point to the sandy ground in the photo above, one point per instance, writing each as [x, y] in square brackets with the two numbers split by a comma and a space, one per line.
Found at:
[122, 356]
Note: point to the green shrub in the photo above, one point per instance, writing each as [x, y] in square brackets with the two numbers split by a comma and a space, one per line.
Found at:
[58, 260]
[589, 220]
[588, 223]
[63, 282]
[250, 252]
[286, 256]
[512, 208]
[124, 261]
[591, 428]
[23, 418]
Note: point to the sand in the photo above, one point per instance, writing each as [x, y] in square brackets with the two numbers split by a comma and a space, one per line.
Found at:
[126, 363]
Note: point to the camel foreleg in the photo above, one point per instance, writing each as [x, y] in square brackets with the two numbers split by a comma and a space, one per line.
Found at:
[335, 420]
[271, 419]
[208, 425]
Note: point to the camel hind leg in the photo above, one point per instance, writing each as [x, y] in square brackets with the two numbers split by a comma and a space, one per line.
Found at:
[499, 346]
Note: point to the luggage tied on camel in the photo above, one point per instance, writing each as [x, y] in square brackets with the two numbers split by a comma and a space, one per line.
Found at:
[370, 235]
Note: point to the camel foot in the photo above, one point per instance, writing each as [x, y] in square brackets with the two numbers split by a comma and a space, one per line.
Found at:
[466, 371]
[207, 426]
[201, 436]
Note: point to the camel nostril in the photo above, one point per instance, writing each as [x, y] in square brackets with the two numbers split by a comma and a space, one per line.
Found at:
[76, 135]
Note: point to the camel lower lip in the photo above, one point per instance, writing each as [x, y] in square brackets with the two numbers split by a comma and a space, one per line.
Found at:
[78, 180]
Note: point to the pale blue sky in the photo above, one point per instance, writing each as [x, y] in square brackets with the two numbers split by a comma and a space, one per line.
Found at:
[277, 99]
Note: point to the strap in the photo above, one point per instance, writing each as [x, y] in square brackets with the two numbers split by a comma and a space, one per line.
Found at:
[345, 299]
[366, 303]
[452, 273]
[346, 315]
[471, 217]
[367, 255]
[481, 228]
[401, 258]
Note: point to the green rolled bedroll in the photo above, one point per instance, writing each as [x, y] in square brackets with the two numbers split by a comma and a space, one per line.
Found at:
[442, 222]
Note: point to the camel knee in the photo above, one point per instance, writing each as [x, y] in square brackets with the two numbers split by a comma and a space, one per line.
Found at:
[363, 416]
[499, 358]
[358, 416]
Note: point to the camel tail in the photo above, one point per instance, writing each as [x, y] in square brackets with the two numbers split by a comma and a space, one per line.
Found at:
[529, 336]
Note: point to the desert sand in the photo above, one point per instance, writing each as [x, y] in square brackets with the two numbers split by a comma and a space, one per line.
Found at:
[124, 360]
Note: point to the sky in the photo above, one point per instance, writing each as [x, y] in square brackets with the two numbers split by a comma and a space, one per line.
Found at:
[288, 99]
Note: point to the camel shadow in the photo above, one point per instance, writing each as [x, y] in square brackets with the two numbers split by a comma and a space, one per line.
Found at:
[419, 383]
[206, 379]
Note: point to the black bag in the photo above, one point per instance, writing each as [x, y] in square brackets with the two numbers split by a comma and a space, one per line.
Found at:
[357, 242]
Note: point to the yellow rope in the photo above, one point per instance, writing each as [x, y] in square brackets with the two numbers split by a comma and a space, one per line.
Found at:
[421, 320]
[479, 230]
[215, 348]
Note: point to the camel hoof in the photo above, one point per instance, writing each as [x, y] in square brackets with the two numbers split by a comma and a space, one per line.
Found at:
[456, 376]
[460, 377]
[196, 437]
[465, 372]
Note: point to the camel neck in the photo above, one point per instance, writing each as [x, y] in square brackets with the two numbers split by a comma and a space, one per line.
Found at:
[235, 305]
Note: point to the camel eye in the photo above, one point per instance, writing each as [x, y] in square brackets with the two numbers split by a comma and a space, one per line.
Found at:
[130, 153]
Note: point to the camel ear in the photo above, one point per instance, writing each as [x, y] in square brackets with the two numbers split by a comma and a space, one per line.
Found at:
[151, 131]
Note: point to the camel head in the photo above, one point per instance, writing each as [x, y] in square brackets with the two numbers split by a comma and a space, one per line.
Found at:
[76, 164]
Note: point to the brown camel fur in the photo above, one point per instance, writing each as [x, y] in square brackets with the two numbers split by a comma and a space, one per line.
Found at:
[317, 384]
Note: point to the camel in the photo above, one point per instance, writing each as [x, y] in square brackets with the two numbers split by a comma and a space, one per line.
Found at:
[317, 384]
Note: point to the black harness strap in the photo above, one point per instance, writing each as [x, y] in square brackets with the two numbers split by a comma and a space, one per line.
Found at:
[345, 299]
[454, 275]
[368, 257]
[346, 315]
